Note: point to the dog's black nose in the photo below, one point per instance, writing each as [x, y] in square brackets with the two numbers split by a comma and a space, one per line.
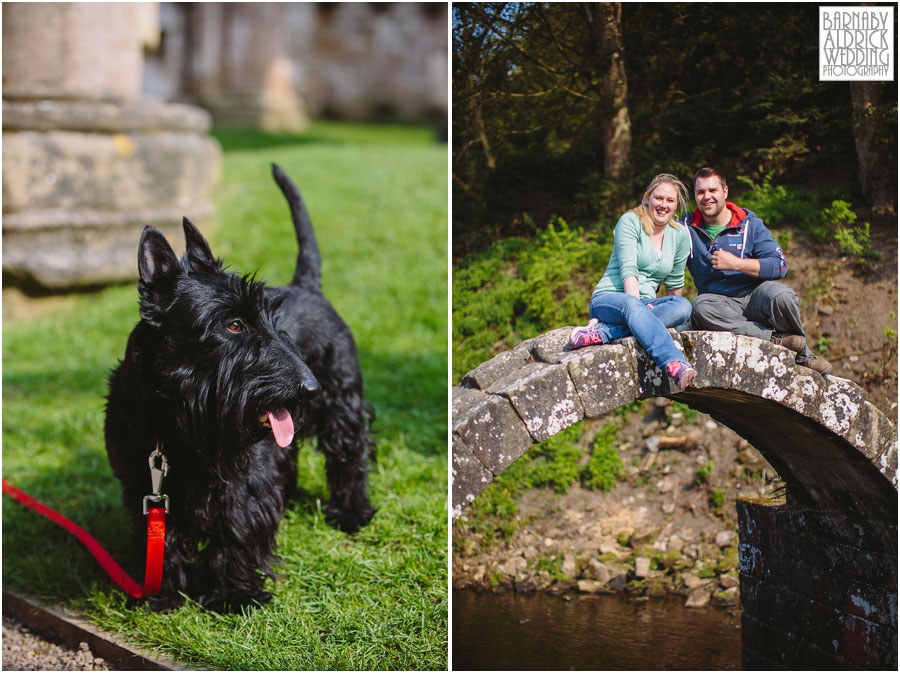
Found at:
[309, 386]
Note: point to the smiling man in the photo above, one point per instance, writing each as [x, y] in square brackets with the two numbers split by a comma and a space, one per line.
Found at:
[736, 266]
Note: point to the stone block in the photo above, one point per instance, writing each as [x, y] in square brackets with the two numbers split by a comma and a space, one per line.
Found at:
[805, 391]
[525, 345]
[589, 586]
[603, 378]
[876, 438]
[544, 397]
[100, 116]
[75, 171]
[868, 645]
[841, 404]
[494, 432]
[865, 536]
[762, 369]
[61, 249]
[498, 367]
[75, 203]
[463, 399]
[469, 476]
[712, 355]
[642, 567]
[552, 346]
[650, 380]
[872, 603]
[887, 463]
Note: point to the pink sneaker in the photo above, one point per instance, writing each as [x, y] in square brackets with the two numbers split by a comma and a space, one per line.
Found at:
[682, 372]
[585, 336]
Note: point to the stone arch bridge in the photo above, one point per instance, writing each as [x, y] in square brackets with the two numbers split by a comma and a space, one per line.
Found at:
[819, 572]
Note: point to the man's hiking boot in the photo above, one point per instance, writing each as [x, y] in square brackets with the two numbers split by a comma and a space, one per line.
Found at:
[817, 364]
[793, 342]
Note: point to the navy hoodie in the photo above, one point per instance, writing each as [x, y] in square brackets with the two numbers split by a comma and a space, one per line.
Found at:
[745, 236]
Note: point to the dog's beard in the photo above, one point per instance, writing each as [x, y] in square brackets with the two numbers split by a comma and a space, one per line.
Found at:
[219, 416]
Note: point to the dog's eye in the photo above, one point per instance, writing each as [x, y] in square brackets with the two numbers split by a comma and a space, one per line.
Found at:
[236, 326]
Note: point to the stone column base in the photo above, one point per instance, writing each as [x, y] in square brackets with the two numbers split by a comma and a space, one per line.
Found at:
[81, 179]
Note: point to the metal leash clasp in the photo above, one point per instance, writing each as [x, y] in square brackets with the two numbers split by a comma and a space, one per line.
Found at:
[159, 467]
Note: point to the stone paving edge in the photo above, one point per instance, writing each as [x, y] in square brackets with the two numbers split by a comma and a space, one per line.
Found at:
[62, 627]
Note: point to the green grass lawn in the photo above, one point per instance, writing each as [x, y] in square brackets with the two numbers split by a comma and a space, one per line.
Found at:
[374, 600]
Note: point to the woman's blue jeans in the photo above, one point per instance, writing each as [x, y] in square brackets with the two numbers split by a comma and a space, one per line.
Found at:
[622, 315]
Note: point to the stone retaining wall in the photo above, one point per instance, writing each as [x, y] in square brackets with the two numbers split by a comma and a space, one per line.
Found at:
[818, 589]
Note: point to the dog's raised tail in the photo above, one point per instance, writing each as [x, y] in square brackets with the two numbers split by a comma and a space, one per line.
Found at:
[309, 262]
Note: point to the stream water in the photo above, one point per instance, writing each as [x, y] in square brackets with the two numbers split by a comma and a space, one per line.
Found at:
[514, 631]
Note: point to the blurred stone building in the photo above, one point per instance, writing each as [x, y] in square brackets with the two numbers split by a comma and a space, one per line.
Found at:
[273, 65]
[88, 160]
[104, 126]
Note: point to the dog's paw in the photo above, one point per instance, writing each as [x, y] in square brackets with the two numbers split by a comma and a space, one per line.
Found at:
[348, 520]
[165, 603]
[236, 602]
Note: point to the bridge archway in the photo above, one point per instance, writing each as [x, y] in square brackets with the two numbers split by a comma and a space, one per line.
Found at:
[836, 452]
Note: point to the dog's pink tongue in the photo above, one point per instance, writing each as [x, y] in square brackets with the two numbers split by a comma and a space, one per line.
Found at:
[282, 426]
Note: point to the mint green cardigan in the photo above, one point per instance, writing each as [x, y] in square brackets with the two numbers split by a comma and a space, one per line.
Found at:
[633, 255]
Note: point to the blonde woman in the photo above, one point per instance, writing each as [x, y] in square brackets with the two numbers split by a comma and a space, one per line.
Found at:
[650, 248]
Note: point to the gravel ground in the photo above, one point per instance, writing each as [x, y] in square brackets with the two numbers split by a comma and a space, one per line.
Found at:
[25, 651]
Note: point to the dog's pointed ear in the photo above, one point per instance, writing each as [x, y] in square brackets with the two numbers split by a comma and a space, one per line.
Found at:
[200, 257]
[158, 270]
[156, 259]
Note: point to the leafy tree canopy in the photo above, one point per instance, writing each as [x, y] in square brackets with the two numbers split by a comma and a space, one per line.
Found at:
[733, 85]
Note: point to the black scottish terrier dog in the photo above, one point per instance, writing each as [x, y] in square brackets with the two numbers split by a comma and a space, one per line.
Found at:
[223, 374]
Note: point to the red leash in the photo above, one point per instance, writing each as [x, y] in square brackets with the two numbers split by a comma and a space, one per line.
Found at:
[156, 534]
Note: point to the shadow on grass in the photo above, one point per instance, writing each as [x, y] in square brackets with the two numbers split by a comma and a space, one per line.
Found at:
[42, 559]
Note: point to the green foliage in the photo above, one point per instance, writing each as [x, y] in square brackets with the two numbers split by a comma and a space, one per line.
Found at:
[554, 462]
[851, 240]
[486, 297]
[784, 238]
[822, 344]
[780, 205]
[556, 293]
[669, 560]
[717, 498]
[729, 560]
[604, 466]
[624, 412]
[689, 414]
[705, 472]
[553, 566]
[519, 288]
[706, 568]
[833, 224]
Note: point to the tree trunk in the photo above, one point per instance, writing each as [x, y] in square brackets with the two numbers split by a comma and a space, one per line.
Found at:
[614, 88]
[877, 166]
